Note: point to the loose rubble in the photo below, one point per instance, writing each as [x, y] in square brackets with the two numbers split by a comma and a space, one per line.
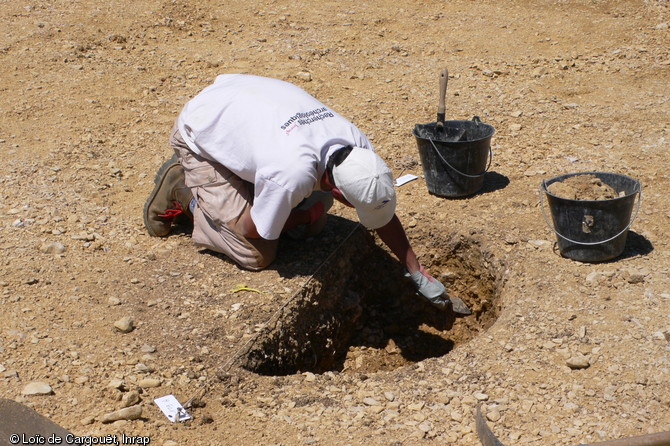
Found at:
[98, 319]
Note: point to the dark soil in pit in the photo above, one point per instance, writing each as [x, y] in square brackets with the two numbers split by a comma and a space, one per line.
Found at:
[359, 314]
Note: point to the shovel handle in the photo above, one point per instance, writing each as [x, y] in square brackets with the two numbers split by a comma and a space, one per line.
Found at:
[441, 108]
[658, 439]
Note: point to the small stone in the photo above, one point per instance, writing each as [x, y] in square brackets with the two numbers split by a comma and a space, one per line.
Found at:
[578, 362]
[52, 248]
[425, 427]
[146, 348]
[493, 415]
[147, 383]
[127, 413]
[37, 388]
[582, 331]
[416, 406]
[593, 277]
[143, 368]
[515, 127]
[369, 401]
[309, 377]
[304, 75]
[86, 421]
[81, 380]
[390, 396]
[116, 384]
[125, 324]
[130, 399]
[481, 397]
[113, 301]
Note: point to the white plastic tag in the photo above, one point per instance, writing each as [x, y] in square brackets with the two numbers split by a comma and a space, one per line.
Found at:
[172, 408]
[405, 179]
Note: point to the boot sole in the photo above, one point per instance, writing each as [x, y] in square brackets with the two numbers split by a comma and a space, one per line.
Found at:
[158, 181]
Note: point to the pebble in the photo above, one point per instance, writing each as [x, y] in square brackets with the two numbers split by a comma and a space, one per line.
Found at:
[125, 324]
[147, 383]
[304, 75]
[130, 399]
[370, 401]
[146, 348]
[86, 421]
[578, 362]
[493, 415]
[113, 301]
[425, 427]
[37, 388]
[116, 384]
[127, 413]
[52, 248]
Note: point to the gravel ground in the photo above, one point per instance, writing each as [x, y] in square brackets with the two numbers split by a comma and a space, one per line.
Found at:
[98, 317]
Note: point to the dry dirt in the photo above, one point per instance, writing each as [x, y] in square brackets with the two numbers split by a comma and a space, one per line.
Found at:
[557, 352]
[584, 187]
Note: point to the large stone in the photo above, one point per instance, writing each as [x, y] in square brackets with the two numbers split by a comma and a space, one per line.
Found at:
[127, 413]
[578, 362]
[37, 388]
[125, 324]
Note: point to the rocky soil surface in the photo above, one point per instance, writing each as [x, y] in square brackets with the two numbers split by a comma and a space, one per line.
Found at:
[99, 319]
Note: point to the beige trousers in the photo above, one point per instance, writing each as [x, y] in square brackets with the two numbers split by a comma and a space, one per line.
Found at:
[221, 199]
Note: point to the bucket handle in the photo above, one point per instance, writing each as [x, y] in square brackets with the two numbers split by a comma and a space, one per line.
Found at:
[544, 214]
[477, 121]
[458, 171]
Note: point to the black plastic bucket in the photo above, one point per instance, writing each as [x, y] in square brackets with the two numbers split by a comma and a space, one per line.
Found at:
[593, 230]
[456, 158]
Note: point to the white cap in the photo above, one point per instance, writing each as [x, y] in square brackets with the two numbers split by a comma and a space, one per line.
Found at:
[367, 182]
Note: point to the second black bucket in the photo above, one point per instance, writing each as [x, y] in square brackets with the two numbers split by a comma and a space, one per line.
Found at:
[455, 159]
[593, 230]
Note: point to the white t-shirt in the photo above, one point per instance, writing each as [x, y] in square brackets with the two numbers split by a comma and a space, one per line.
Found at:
[270, 133]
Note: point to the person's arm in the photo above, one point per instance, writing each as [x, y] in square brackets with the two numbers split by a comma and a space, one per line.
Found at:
[246, 226]
[393, 235]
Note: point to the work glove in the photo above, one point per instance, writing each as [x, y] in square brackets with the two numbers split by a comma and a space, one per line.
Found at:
[432, 290]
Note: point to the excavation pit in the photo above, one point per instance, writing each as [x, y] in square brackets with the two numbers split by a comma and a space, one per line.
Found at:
[358, 313]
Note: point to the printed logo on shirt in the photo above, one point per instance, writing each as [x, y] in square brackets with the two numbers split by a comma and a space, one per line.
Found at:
[306, 118]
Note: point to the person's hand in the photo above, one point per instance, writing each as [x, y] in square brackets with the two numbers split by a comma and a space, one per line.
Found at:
[430, 288]
[434, 292]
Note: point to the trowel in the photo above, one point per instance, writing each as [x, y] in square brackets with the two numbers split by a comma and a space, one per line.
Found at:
[440, 130]
[459, 307]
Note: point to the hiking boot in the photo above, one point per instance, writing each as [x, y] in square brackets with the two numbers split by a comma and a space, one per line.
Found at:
[168, 203]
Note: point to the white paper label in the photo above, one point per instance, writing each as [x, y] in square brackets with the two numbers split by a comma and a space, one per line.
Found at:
[405, 179]
[172, 408]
